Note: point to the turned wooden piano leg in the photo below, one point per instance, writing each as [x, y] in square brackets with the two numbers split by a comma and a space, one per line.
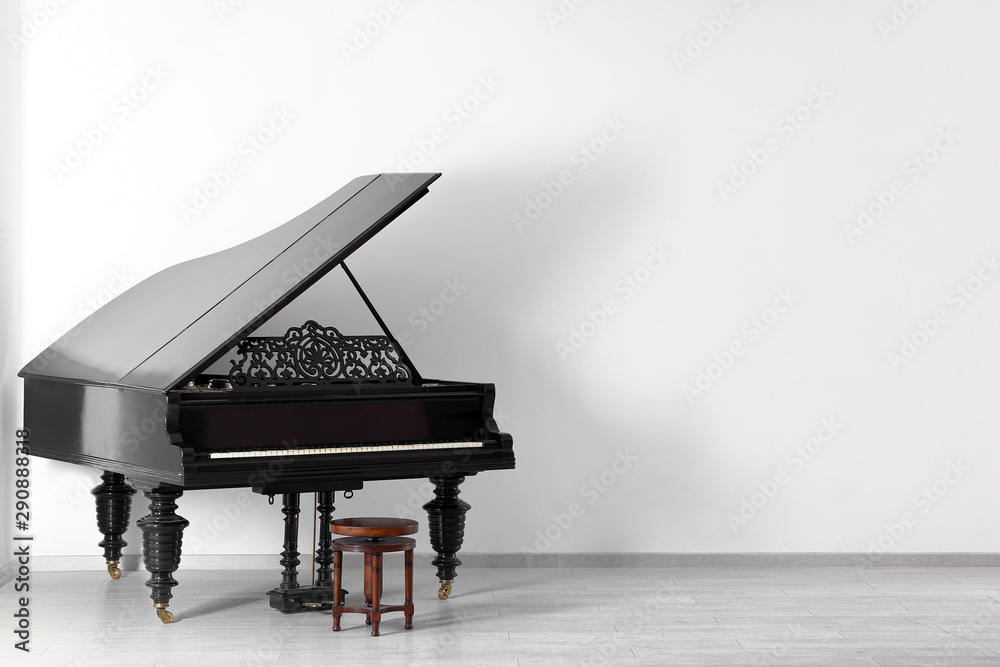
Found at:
[114, 500]
[291, 595]
[290, 550]
[324, 552]
[162, 530]
[446, 526]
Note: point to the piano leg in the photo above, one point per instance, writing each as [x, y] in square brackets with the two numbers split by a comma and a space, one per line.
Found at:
[114, 500]
[446, 525]
[290, 554]
[162, 530]
[291, 596]
[324, 550]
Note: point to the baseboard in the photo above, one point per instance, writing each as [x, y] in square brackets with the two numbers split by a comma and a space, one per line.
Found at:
[811, 559]
[761, 559]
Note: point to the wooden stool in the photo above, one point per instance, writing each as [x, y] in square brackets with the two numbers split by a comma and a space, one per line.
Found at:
[373, 536]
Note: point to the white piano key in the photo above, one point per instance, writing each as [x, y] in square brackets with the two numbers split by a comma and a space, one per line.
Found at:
[223, 454]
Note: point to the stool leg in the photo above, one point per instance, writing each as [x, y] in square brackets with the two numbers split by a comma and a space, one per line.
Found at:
[408, 588]
[368, 579]
[368, 587]
[376, 593]
[338, 603]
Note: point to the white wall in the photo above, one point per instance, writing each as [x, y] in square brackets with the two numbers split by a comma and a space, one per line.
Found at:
[10, 273]
[672, 132]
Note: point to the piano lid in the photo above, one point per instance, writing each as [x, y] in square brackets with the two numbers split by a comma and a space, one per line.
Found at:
[174, 324]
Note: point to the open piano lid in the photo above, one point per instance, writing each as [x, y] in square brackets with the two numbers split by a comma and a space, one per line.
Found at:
[176, 323]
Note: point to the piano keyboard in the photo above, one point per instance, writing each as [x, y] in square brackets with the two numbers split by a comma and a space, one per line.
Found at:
[361, 449]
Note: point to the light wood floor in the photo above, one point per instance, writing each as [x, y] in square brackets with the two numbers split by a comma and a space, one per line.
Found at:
[531, 616]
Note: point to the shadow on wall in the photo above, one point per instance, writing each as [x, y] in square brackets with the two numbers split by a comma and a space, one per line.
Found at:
[586, 470]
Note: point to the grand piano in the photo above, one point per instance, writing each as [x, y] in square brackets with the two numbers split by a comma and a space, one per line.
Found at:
[165, 389]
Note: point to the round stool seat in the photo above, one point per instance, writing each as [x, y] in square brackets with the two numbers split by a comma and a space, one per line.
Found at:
[373, 537]
[373, 526]
[366, 545]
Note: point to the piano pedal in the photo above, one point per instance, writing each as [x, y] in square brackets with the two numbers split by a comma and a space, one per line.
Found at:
[326, 604]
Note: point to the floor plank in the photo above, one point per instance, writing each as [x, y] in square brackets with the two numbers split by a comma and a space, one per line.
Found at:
[711, 615]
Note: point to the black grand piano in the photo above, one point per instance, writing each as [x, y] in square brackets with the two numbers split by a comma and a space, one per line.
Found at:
[164, 389]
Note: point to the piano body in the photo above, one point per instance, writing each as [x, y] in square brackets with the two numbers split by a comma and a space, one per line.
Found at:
[132, 392]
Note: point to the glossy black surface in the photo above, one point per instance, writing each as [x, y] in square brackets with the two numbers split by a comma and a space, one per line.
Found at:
[117, 397]
[446, 524]
[249, 422]
[162, 534]
[177, 322]
[114, 500]
[110, 428]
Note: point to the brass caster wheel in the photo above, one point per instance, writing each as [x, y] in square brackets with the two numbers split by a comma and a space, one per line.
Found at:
[445, 590]
[164, 615]
[114, 570]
